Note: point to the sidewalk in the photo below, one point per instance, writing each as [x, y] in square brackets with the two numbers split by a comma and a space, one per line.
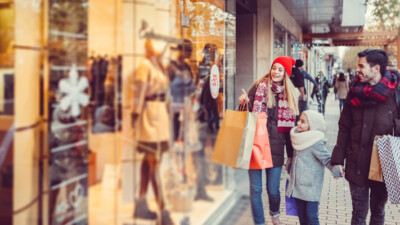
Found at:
[335, 205]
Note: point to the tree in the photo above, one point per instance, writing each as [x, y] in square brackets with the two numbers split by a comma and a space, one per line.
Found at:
[350, 58]
[385, 15]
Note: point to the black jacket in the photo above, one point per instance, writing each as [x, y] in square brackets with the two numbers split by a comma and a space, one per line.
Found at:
[357, 129]
[277, 140]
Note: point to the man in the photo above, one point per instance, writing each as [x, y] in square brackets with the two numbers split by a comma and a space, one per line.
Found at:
[298, 81]
[370, 109]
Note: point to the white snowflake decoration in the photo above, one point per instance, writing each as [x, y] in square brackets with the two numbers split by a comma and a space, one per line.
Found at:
[74, 89]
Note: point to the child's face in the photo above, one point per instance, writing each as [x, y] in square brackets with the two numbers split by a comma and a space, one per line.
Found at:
[302, 124]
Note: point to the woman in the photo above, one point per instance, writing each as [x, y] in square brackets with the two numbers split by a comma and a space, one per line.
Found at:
[274, 94]
[342, 85]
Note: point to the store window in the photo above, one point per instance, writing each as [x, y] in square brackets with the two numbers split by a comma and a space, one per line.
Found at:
[279, 40]
[117, 112]
[7, 73]
[294, 47]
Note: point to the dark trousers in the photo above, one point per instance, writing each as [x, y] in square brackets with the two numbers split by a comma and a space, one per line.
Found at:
[375, 193]
[341, 101]
[302, 108]
[307, 211]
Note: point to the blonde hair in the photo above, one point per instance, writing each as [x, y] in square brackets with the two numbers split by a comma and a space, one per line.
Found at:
[290, 93]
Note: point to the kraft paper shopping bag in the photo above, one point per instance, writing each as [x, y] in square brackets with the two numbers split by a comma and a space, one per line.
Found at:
[375, 169]
[235, 139]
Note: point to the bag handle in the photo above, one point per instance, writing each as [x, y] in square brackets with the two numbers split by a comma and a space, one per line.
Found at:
[241, 105]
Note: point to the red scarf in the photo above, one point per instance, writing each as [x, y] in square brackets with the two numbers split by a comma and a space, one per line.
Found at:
[286, 119]
[363, 94]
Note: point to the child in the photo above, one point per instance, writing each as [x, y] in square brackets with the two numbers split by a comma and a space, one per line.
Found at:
[310, 156]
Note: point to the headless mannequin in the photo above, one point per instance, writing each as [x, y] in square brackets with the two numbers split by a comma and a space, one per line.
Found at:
[152, 69]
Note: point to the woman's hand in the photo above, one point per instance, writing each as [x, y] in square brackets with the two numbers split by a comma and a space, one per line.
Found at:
[244, 98]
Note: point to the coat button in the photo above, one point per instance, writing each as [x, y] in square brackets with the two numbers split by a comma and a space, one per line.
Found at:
[365, 125]
[358, 172]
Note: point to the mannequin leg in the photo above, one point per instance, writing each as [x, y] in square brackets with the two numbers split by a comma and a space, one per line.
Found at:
[141, 208]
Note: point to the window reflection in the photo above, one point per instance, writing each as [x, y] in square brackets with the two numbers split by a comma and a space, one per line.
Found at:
[7, 72]
[279, 40]
[131, 97]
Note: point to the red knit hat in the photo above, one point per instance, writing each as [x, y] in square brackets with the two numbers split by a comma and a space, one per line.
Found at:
[287, 63]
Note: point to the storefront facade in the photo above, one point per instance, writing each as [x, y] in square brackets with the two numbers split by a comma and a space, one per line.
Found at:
[103, 100]
[110, 108]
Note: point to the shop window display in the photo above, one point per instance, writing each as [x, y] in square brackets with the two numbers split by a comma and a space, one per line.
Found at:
[6, 111]
[127, 107]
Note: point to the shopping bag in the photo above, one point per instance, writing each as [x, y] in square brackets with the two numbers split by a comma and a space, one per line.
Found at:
[290, 203]
[235, 139]
[261, 157]
[375, 169]
[389, 157]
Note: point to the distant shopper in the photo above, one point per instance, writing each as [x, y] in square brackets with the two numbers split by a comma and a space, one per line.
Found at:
[310, 156]
[342, 87]
[334, 80]
[274, 94]
[323, 92]
[369, 110]
[297, 78]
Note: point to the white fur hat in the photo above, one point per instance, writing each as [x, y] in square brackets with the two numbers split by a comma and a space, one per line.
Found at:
[315, 119]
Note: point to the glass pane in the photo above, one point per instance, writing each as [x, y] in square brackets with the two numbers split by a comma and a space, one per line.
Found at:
[6, 110]
[279, 40]
[68, 99]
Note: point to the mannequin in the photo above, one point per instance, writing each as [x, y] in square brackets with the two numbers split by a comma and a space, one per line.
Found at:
[151, 124]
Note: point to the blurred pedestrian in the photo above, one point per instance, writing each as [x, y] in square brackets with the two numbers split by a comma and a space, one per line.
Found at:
[342, 86]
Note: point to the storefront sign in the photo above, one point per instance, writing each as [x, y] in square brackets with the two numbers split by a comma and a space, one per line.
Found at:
[214, 81]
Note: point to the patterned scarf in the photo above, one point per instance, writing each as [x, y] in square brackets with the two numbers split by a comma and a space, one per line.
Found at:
[362, 94]
[286, 119]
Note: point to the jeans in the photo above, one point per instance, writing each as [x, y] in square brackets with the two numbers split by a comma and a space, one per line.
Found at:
[273, 176]
[377, 200]
[307, 211]
[321, 105]
[341, 101]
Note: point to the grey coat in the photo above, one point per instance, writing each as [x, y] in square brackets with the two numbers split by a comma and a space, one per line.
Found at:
[307, 172]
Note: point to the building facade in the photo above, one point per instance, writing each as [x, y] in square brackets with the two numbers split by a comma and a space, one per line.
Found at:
[102, 100]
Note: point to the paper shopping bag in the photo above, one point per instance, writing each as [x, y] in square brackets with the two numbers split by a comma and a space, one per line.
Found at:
[291, 208]
[261, 157]
[389, 156]
[235, 139]
[375, 169]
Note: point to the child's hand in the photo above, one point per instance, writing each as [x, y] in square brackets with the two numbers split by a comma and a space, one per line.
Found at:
[337, 171]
